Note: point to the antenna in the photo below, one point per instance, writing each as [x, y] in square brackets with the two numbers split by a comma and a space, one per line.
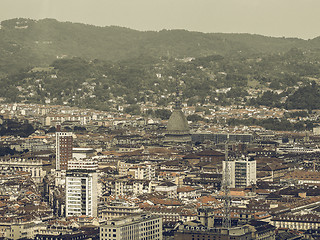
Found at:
[226, 221]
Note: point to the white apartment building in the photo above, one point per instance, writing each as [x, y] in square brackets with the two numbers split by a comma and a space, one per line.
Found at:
[137, 171]
[122, 187]
[146, 172]
[137, 227]
[81, 192]
[242, 171]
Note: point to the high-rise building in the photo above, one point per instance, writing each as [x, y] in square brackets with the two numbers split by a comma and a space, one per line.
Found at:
[64, 143]
[242, 171]
[137, 227]
[81, 192]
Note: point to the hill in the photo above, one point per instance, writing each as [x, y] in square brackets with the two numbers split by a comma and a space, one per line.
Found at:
[47, 61]
[26, 42]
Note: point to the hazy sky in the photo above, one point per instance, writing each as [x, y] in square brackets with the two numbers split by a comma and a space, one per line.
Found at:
[289, 18]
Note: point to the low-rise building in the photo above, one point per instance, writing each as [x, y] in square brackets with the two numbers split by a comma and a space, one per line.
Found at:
[297, 222]
[138, 227]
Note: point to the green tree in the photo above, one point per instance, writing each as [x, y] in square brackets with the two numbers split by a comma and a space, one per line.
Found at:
[164, 114]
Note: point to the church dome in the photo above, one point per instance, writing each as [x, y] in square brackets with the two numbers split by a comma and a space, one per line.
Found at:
[177, 122]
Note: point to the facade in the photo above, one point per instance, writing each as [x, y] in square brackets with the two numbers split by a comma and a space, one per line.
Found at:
[205, 229]
[35, 145]
[143, 172]
[297, 222]
[222, 137]
[242, 171]
[187, 232]
[32, 166]
[23, 230]
[187, 192]
[64, 143]
[119, 208]
[81, 193]
[89, 164]
[80, 153]
[127, 186]
[138, 227]
[168, 188]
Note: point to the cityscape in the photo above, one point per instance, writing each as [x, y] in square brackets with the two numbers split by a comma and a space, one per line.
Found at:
[150, 120]
[95, 174]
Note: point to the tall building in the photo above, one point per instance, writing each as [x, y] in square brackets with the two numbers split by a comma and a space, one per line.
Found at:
[64, 143]
[81, 192]
[242, 171]
[137, 227]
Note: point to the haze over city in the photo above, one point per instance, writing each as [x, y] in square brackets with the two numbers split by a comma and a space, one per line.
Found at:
[288, 18]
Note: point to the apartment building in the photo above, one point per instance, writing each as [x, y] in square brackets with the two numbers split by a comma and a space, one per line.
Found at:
[81, 193]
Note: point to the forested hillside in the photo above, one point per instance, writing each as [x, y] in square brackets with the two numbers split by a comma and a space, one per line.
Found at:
[48, 61]
[29, 42]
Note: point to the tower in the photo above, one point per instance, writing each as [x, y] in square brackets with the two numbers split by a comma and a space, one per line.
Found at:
[64, 143]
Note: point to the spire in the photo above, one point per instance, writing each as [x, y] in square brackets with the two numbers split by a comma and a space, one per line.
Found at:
[178, 97]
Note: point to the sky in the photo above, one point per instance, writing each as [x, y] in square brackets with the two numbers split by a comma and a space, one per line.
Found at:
[277, 18]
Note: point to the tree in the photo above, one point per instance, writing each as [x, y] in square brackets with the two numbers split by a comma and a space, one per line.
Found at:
[194, 118]
[133, 109]
[164, 114]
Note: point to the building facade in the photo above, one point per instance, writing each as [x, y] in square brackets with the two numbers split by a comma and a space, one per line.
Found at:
[64, 143]
[84, 163]
[81, 193]
[119, 208]
[242, 171]
[30, 165]
[138, 227]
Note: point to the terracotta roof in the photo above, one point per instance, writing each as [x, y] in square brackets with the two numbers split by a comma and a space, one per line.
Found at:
[185, 189]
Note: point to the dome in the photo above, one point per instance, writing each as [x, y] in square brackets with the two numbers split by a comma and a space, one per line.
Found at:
[178, 122]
